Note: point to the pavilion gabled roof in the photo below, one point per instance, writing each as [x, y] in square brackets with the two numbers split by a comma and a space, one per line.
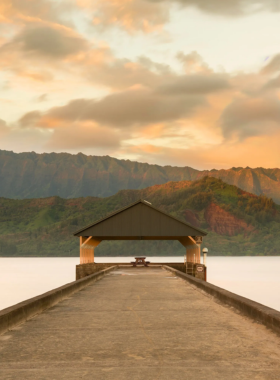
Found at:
[139, 220]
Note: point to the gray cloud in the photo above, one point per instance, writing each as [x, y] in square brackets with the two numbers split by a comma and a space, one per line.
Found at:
[129, 108]
[123, 73]
[47, 42]
[251, 117]
[229, 8]
[196, 84]
[29, 119]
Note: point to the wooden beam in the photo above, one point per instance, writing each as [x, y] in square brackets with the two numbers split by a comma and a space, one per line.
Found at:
[87, 246]
[187, 241]
[90, 243]
[84, 243]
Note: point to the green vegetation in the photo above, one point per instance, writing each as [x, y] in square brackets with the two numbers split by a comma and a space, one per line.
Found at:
[238, 223]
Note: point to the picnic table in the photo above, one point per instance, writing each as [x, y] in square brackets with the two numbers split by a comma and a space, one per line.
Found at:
[140, 260]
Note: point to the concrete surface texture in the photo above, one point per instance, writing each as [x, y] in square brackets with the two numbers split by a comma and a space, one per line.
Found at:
[140, 323]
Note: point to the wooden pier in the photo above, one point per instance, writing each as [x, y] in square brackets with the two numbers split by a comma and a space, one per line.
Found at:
[138, 323]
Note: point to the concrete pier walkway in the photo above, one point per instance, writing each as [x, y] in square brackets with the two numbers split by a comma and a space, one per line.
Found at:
[140, 323]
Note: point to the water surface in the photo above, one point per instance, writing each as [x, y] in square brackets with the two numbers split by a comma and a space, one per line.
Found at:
[257, 278]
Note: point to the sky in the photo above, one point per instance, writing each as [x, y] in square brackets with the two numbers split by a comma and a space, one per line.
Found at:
[172, 82]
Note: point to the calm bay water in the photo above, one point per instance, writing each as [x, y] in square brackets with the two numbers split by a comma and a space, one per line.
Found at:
[257, 278]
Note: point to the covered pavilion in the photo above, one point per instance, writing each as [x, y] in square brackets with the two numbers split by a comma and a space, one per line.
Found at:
[140, 221]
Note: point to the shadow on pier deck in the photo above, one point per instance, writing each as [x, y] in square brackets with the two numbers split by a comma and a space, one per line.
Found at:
[140, 323]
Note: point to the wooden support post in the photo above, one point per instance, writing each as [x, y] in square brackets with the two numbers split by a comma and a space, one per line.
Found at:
[192, 248]
[87, 245]
[189, 252]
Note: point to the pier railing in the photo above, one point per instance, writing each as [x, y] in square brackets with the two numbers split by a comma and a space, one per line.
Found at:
[256, 311]
[19, 313]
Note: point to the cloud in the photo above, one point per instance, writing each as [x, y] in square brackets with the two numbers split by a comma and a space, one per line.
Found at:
[150, 15]
[273, 66]
[83, 135]
[152, 94]
[132, 15]
[47, 42]
[124, 109]
[124, 73]
[3, 128]
[231, 8]
[37, 76]
[147, 109]
[272, 84]
[41, 52]
[251, 117]
[193, 62]
[196, 84]
[69, 136]
[34, 10]
[29, 119]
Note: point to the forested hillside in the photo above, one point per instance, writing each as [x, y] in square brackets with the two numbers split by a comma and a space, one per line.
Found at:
[32, 175]
[237, 222]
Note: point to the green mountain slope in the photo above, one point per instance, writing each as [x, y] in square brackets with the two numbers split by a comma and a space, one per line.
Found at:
[32, 175]
[237, 222]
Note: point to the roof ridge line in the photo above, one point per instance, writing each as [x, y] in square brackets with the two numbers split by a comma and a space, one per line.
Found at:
[146, 203]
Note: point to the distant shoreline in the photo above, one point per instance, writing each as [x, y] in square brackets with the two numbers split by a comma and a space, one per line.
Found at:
[54, 257]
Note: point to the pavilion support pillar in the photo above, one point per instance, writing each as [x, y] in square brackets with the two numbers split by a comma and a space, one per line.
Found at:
[192, 245]
[87, 245]
[193, 254]
[192, 249]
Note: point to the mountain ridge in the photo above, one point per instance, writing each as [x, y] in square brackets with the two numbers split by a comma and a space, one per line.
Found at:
[33, 175]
